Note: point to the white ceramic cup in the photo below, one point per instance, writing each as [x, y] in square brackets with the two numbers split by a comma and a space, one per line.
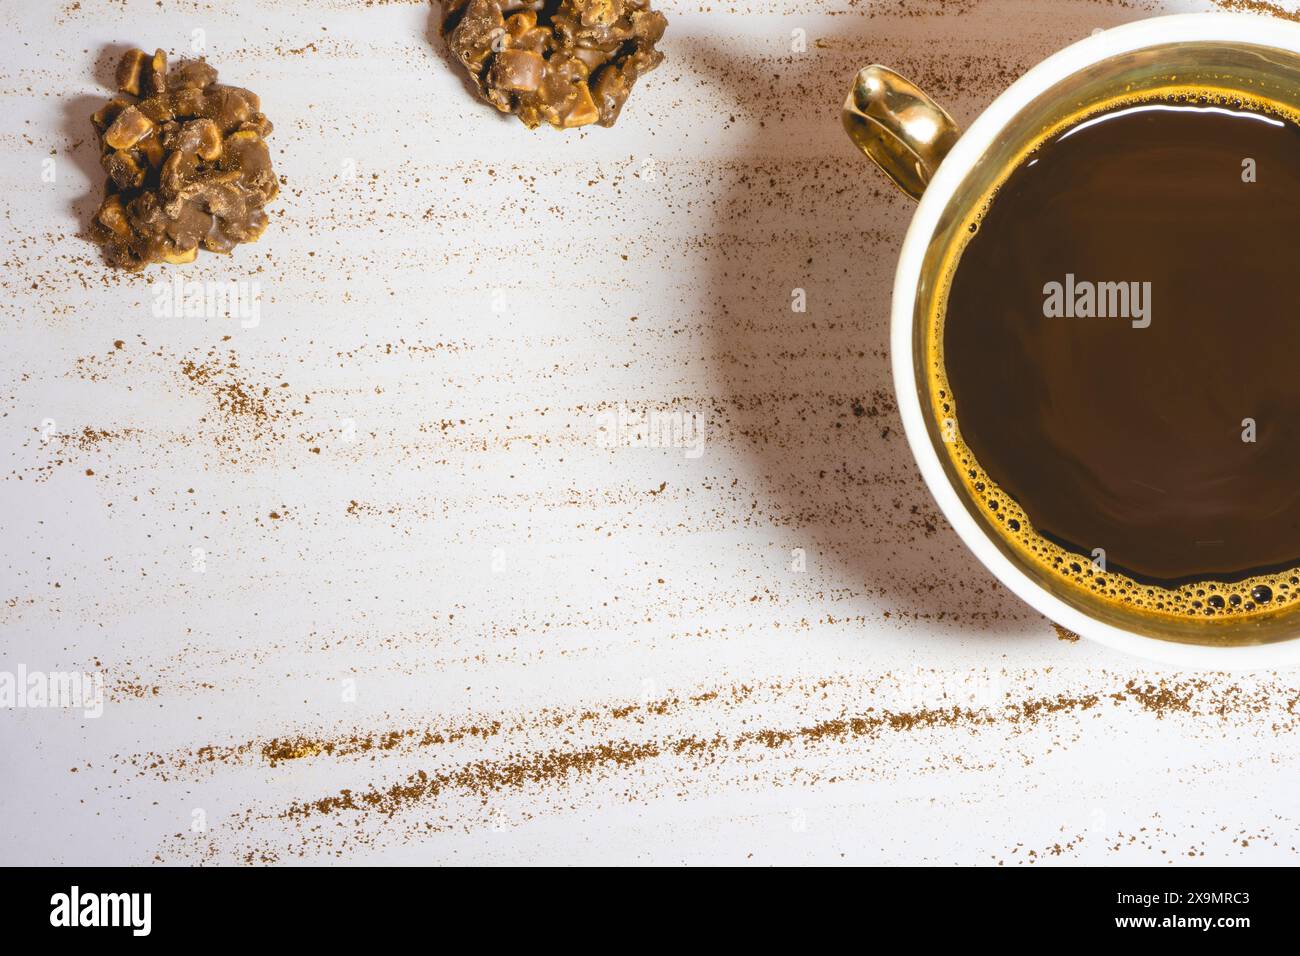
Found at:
[918, 145]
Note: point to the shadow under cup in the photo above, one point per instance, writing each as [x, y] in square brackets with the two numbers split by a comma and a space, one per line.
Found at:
[1252, 71]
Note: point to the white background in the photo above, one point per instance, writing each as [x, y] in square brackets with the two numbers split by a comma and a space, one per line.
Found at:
[451, 307]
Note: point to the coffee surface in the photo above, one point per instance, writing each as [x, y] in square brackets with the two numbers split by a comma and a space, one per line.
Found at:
[1120, 341]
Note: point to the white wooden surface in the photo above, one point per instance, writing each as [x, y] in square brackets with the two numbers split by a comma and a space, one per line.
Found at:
[455, 306]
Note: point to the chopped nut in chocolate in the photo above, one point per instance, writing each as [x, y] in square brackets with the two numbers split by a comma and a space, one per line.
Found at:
[187, 163]
[566, 62]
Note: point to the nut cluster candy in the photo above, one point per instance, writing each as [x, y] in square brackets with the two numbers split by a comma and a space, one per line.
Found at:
[567, 64]
[187, 163]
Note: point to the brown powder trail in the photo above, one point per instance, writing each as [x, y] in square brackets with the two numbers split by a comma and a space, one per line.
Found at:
[280, 750]
[1259, 6]
[1200, 698]
[554, 766]
[485, 777]
[89, 438]
[291, 747]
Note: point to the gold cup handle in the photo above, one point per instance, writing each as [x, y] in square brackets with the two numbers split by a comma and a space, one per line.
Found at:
[902, 130]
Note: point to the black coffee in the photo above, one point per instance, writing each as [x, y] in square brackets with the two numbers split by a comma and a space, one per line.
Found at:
[1120, 369]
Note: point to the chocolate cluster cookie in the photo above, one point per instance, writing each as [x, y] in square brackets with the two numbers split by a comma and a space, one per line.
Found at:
[187, 163]
[564, 62]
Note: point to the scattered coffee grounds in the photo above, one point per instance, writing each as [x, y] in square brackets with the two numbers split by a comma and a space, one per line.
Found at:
[187, 163]
[569, 64]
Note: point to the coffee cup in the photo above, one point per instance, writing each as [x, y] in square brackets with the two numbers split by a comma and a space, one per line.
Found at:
[1218, 620]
